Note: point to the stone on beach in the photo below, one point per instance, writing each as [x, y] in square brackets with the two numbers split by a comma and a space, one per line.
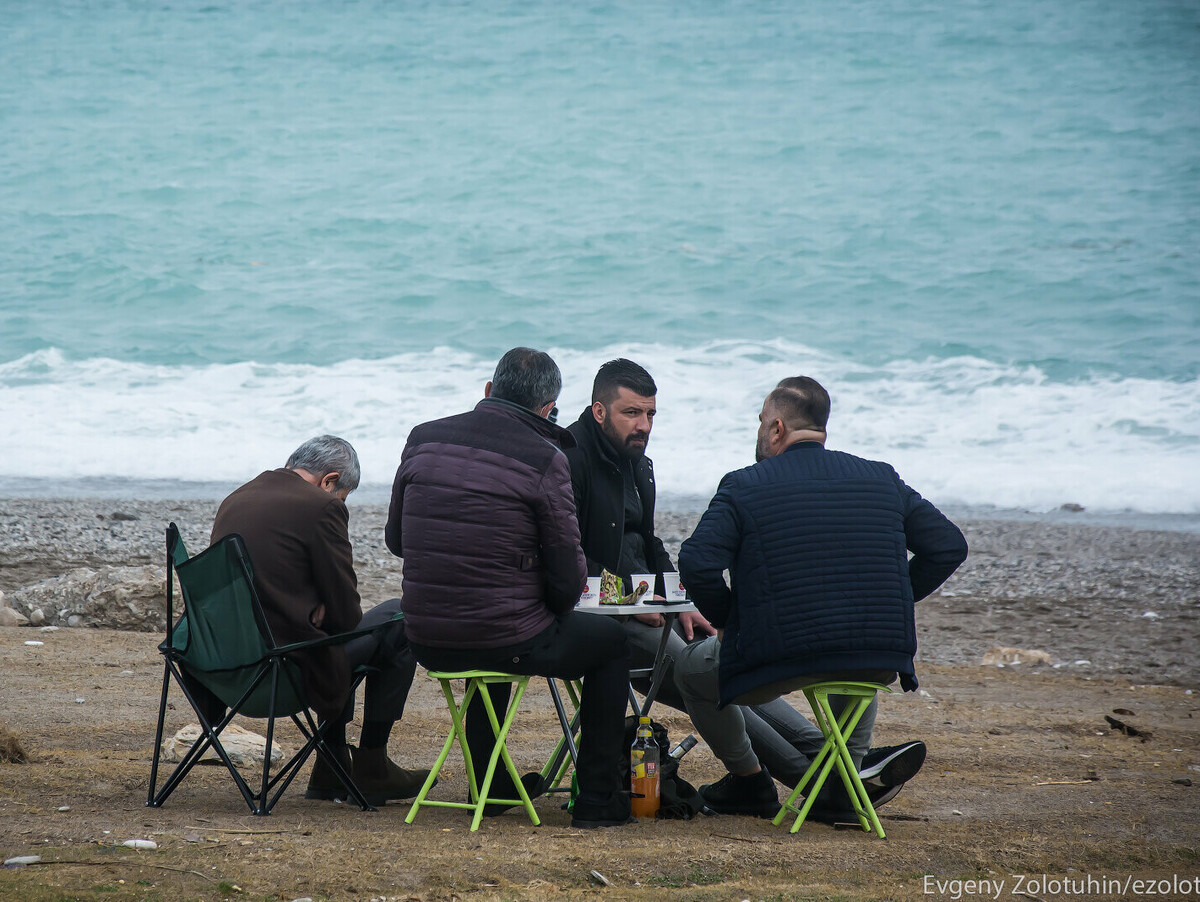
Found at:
[124, 598]
[1006, 655]
[245, 747]
[9, 617]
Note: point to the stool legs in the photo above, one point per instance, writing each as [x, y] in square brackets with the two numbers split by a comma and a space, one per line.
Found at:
[477, 682]
[555, 768]
[835, 753]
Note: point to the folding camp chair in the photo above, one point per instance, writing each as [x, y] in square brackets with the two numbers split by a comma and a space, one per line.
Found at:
[224, 643]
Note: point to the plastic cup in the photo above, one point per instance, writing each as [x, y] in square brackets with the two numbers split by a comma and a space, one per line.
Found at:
[676, 593]
[591, 595]
[636, 579]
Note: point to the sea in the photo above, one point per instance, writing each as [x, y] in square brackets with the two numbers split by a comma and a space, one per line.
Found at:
[227, 226]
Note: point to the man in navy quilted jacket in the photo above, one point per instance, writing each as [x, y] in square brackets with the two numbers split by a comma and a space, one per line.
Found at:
[817, 545]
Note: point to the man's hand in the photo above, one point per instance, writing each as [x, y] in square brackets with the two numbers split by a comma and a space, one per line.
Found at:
[650, 619]
[691, 621]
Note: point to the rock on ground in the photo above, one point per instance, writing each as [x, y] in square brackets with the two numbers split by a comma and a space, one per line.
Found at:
[124, 598]
[245, 748]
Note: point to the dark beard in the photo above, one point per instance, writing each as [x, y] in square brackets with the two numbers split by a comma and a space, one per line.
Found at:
[625, 449]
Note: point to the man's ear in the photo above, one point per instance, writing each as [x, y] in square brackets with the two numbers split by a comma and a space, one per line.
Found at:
[329, 482]
[487, 389]
[598, 412]
[778, 431]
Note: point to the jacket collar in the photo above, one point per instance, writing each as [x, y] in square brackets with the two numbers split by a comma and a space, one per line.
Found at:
[552, 432]
[594, 436]
[809, 446]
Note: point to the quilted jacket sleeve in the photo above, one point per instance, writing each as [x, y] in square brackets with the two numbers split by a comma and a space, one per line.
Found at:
[562, 558]
[937, 545]
[709, 551]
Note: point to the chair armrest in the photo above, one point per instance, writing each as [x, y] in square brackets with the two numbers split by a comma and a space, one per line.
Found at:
[337, 639]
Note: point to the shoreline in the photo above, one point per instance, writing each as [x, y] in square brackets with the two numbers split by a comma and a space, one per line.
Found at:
[114, 488]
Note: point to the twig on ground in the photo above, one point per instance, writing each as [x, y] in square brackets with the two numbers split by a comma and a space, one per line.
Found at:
[236, 830]
[739, 838]
[111, 864]
[1067, 782]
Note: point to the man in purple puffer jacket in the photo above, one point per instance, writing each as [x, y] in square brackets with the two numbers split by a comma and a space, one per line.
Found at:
[484, 516]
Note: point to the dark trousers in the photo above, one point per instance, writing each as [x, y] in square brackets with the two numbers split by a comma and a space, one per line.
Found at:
[574, 646]
[386, 650]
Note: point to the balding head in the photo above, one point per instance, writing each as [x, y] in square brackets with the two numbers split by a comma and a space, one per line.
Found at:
[797, 410]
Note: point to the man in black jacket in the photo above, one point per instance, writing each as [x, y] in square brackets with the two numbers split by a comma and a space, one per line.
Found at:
[613, 482]
[817, 545]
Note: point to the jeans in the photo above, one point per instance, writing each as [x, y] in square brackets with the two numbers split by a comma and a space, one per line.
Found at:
[773, 734]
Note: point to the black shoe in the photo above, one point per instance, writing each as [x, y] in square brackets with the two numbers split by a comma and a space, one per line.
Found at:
[832, 806]
[532, 782]
[892, 765]
[612, 812]
[323, 782]
[754, 795]
[881, 795]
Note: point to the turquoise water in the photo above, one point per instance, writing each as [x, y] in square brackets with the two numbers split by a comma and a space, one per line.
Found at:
[227, 226]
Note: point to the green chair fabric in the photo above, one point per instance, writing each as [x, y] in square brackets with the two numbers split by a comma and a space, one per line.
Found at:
[476, 682]
[223, 641]
[835, 752]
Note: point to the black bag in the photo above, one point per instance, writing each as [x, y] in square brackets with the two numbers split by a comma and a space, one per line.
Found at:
[678, 798]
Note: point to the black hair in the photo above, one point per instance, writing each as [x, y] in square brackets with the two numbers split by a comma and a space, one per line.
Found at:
[618, 374]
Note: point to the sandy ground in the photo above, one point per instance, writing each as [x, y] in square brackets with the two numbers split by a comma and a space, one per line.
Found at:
[1025, 775]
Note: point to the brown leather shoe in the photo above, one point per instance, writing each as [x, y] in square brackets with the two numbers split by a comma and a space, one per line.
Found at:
[381, 779]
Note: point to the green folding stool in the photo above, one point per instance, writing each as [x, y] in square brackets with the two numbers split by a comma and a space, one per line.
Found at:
[476, 682]
[835, 753]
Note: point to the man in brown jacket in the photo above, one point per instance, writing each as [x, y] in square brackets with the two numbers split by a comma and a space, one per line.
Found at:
[295, 525]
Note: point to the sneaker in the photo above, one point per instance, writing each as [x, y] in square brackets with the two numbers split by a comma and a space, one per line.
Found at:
[892, 765]
[881, 795]
[754, 795]
[532, 782]
[832, 805]
[390, 783]
[323, 782]
[589, 814]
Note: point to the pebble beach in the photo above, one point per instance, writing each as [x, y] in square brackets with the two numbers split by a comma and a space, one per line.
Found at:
[1093, 600]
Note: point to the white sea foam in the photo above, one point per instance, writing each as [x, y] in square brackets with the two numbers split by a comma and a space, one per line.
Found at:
[960, 431]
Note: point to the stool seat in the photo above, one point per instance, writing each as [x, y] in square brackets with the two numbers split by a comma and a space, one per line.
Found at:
[835, 752]
[476, 682]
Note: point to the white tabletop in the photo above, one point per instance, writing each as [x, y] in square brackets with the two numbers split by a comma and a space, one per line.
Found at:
[642, 607]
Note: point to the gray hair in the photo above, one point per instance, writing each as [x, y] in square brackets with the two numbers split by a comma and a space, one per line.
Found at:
[528, 378]
[327, 454]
